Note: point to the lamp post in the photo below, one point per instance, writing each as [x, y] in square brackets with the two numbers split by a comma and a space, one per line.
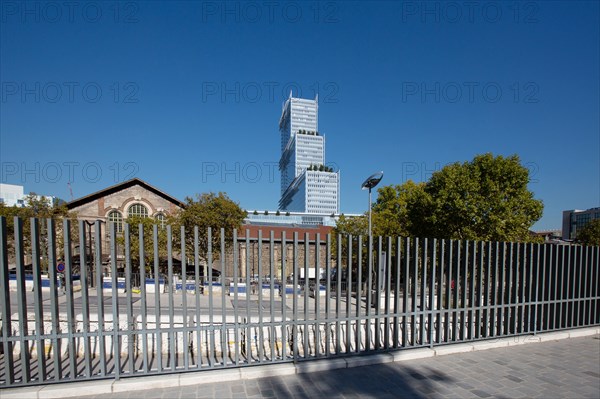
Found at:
[371, 182]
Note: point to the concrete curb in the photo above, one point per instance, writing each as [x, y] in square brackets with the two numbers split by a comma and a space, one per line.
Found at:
[76, 389]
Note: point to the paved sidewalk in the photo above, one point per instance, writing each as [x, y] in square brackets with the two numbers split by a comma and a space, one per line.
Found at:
[569, 368]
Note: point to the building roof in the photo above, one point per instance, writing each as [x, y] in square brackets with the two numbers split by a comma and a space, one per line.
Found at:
[121, 186]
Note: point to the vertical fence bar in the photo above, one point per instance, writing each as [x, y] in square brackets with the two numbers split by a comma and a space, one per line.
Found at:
[9, 373]
[591, 282]
[440, 287]
[423, 292]
[184, 311]
[488, 320]
[457, 287]
[575, 289]
[236, 330]
[130, 333]
[22, 302]
[224, 342]
[317, 338]
[338, 293]
[328, 296]
[273, 339]
[502, 310]
[369, 294]
[413, 289]
[396, 339]
[295, 299]
[211, 350]
[349, 296]
[377, 291]
[471, 262]
[85, 304]
[248, 327]
[553, 263]
[306, 291]
[157, 310]
[448, 291]
[71, 322]
[199, 285]
[261, 338]
[595, 286]
[99, 291]
[284, 294]
[480, 319]
[172, 335]
[539, 286]
[39, 306]
[406, 276]
[530, 277]
[450, 288]
[359, 293]
[464, 331]
[388, 266]
[143, 300]
[115, 302]
[432, 308]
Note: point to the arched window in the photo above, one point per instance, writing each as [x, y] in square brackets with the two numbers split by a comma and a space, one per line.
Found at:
[137, 210]
[117, 218]
[160, 219]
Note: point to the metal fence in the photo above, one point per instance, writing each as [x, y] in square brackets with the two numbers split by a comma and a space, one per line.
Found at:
[378, 294]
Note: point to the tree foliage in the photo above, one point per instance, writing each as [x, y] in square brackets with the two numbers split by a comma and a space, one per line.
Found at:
[590, 234]
[41, 208]
[484, 199]
[209, 210]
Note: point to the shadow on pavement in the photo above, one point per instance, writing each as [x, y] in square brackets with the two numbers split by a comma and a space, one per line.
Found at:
[393, 380]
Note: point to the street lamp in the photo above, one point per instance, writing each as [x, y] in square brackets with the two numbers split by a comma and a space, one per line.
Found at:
[371, 182]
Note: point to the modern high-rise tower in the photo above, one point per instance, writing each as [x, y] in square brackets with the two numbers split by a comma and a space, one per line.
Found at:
[307, 185]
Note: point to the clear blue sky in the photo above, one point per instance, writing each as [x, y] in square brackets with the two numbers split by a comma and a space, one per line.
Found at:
[187, 95]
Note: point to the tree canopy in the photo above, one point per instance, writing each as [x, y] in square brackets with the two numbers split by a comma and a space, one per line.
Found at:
[590, 234]
[484, 199]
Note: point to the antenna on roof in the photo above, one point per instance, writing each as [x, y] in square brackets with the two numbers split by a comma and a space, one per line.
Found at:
[317, 97]
[290, 93]
[70, 190]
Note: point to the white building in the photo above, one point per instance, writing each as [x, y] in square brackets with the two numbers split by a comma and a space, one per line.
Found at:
[13, 195]
[307, 185]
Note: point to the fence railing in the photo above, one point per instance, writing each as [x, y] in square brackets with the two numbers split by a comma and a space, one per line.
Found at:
[375, 294]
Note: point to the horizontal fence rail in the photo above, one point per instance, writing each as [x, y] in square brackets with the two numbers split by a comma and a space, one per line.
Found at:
[78, 306]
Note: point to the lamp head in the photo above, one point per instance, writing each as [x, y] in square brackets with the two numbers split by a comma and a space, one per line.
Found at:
[372, 181]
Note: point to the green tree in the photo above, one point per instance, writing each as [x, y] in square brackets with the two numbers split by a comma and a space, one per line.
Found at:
[485, 199]
[147, 225]
[391, 215]
[209, 210]
[590, 234]
[42, 208]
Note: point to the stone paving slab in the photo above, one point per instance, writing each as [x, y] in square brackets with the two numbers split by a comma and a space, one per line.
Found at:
[565, 368]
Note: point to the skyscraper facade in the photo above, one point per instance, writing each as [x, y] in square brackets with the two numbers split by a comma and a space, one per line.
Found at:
[307, 185]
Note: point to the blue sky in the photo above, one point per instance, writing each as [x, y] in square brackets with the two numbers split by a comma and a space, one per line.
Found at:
[187, 95]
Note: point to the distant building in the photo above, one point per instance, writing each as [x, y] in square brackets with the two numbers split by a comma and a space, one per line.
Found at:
[574, 220]
[307, 185]
[292, 219]
[13, 195]
[116, 203]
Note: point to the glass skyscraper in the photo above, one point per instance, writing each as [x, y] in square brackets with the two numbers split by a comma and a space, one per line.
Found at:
[307, 184]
